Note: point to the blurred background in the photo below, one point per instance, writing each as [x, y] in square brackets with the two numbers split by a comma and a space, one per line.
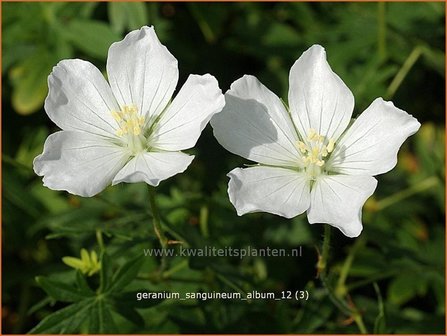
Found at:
[392, 276]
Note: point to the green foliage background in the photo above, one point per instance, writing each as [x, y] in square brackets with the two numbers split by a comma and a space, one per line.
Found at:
[390, 280]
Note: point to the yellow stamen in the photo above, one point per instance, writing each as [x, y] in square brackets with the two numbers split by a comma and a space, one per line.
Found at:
[330, 145]
[129, 121]
[315, 149]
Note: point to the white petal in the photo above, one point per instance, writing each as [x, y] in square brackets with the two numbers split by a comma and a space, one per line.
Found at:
[318, 98]
[338, 200]
[80, 163]
[279, 191]
[180, 125]
[370, 145]
[142, 72]
[255, 125]
[153, 167]
[80, 99]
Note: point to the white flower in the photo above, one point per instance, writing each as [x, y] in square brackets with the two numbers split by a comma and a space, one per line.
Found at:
[128, 131]
[308, 160]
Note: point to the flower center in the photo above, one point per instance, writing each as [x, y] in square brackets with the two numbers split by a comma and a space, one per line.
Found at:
[315, 149]
[130, 129]
[129, 121]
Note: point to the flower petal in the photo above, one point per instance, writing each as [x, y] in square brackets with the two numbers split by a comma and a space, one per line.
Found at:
[255, 125]
[279, 191]
[318, 98]
[338, 200]
[142, 72]
[153, 167]
[370, 145]
[180, 125]
[80, 99]
[80, 163]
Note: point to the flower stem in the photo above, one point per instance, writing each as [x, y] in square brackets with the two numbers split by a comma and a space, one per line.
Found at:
[322, 260]
[382, 30]
[359, 321]
[340, 289]
[404, 70]
[336, 299]
[204, 221]
[156, 219]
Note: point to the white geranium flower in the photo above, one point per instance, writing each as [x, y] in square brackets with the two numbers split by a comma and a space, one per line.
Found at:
[128, 131]
[308, 161]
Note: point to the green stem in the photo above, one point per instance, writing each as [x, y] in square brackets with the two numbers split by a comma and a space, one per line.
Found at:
[381, 315]
[341, 290]
[156, 219]
[340, 304]
[322, 261]
[372, 278]
[204, 221]
[15, 163]
[204, 26]
[404, 70]
[168, 273]
[401, 195]
[359, 321]
[322, 272]
[100, 240]
[381, 38]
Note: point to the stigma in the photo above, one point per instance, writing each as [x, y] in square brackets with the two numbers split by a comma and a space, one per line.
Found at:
[314, 149]
[128, 120]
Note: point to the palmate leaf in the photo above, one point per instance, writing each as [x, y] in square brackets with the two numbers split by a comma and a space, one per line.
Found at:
[101, 320]
[60, 291]
[94, 307]
[69, 319]
[66, 320]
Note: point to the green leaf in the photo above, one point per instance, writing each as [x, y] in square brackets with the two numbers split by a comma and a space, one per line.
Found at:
[101, 320]
[83, 285]
[29, 80]
[61, 291]
[129, 313]
[92, 37]
[136, 14]
[39, 305]
[131, 15]
[31, 145]
[66, 320]
[404, 287]
[129, 299]
[104, 273]
[117, 16]
[87, 9]
[126, 274]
